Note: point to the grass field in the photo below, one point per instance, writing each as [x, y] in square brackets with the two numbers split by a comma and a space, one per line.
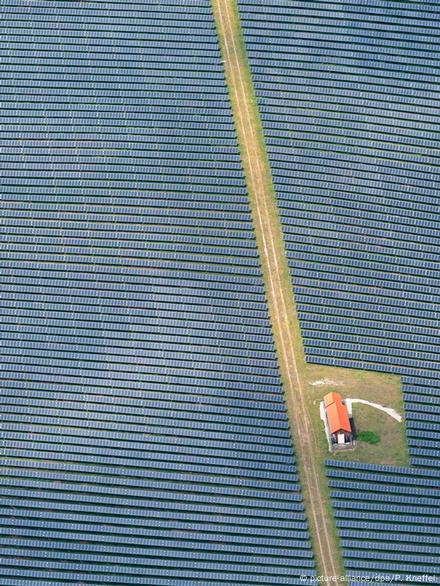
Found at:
[381, 388]
[299, 379]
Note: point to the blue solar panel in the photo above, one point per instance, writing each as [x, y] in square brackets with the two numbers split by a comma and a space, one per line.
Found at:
[144, 434]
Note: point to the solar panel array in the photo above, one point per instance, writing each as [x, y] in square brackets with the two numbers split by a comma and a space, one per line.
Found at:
[388, 521]
[348, 94]
[144, 434]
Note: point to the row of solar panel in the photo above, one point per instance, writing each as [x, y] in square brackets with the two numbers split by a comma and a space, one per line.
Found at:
[166, 311]
[406, 113]
[199, 354]
[104, 254]
[159, 527]
[82, 124]
[171, 341]
[196, 296]
[160, 283]
[352, 341]
[381, 296]
[192, 334]
[212, 279]
[312, 155]
[343, 293]
[138, 323]
[372, 69]
[394, 499]
[317, 193]
[414, 398]
[340, 7]
[129, 200]
[353, 215]
[178, 214]
[182, 120]
[133, 449]
[98, 23]
[136, 516]
[57, 85]
[130, 241]
[319, 84]
[189, 539]
[141, 407]
[166, 415]
[158, 576]
[359, 291]
[364, 273]
[102, 272]
[380, 194]
[169, 302]
[413, 355]
[388, 474]
[360, 311]
[143, 359]
[200, 9]
[119, 390]
[426, 560]
[324, 52]
[187, 535]
[380, 319]
[73, 183]
[190, 464]
[321, 114]
[160, 180]
[57, 259]
[356, 132]
[387, 363]
[134, 402]
[153, 18]
[187, 435]
[316, 155]
[140, 476]
[120, 153]
[180, 376]
[145, 554]
[340, 328]
[261, 502]
[58, 65]
[145, 558]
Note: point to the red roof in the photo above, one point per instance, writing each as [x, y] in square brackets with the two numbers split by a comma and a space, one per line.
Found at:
[337, 414]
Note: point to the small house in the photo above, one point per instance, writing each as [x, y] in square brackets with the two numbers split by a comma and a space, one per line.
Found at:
[338, 421]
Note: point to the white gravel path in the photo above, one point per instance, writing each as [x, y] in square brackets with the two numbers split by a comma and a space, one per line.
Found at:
[391, 412]
[326, 382]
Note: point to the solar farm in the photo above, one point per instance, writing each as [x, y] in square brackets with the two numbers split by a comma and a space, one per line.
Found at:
[146, 433]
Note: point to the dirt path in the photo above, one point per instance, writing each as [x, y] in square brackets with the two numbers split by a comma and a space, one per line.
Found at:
[279, 295]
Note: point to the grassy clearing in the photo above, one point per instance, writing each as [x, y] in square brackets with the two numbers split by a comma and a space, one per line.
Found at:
[381, 388]
[301, 395]
[388, 450]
